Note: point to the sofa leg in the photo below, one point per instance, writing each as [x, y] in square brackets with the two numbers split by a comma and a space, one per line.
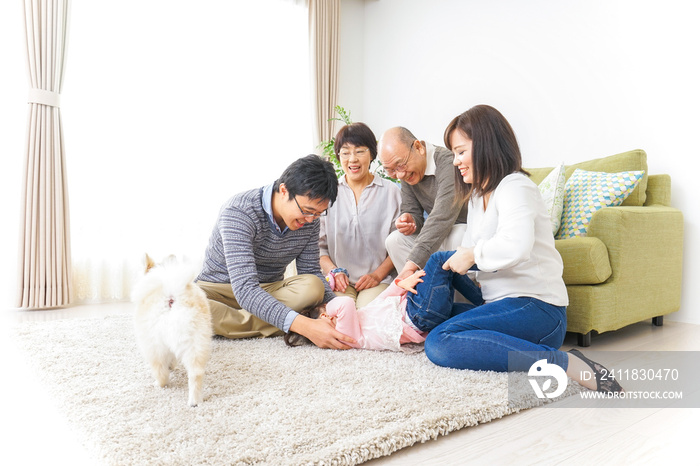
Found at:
[584, 339]
[658, 321]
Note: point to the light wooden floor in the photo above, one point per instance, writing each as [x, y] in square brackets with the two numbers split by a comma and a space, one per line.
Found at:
[37, 434]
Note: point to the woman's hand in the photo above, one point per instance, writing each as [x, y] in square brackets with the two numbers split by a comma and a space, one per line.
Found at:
[460, 261]
[367, 281]
[405, 224]
[409, 283]
[341, 282]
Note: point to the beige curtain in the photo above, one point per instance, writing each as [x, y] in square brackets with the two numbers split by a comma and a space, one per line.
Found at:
[44, 254]
[324, 25]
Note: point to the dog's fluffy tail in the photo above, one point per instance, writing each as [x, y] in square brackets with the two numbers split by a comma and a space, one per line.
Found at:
[169, 278]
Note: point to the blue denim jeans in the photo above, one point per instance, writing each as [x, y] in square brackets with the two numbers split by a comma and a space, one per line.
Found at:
[479, 336]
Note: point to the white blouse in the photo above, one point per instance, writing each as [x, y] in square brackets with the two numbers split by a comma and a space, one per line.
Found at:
[513, 244]
[353, 234]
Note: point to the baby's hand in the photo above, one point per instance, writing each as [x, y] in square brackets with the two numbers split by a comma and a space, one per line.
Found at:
[409, 283]
[330, 319]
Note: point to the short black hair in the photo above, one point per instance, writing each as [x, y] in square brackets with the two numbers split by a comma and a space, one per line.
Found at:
[358, 134]
[310, 176]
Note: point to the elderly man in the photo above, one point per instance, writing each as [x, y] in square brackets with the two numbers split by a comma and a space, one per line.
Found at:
[427, 187]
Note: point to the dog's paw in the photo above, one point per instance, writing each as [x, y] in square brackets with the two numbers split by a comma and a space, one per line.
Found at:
[160, 383]
[193, 403]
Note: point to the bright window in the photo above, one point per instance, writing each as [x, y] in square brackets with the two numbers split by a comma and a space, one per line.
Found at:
[170, 108]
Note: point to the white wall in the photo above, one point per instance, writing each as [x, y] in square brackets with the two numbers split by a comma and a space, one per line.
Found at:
[576, 79]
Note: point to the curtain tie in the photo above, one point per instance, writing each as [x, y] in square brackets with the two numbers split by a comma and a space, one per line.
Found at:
[44, 97]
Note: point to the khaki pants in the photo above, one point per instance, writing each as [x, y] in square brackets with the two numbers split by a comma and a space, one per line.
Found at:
[230, 321]
[364, 297]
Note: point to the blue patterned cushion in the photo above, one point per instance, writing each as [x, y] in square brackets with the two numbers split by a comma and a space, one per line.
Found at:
[587, 192]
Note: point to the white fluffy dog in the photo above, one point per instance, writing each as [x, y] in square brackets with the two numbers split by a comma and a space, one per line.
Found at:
[173, 323]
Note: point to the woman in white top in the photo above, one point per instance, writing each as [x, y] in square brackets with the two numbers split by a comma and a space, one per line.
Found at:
[522, 309]
[353, 232]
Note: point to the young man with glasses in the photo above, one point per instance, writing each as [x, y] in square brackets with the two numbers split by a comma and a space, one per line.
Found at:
[427, 188]
[257, 235]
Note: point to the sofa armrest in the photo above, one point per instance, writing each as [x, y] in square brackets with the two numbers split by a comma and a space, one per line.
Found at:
[645, 244]
[586, 260]
[658, 190]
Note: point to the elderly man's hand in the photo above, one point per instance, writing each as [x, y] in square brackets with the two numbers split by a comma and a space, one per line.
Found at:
[407, 270]
[405, 224]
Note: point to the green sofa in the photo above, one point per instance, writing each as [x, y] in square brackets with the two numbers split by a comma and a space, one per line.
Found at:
[628, 267]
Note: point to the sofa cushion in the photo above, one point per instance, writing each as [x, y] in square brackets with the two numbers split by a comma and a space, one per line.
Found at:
[634, 160]
[537, 175]
[552, 189]
[586, 260]
[587, 192]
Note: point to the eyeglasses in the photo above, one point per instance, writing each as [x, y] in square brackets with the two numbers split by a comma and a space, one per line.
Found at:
[345, 154]
[310, 215]
[400, 167]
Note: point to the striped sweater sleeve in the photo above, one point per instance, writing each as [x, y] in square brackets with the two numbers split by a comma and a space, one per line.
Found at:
[237, 230]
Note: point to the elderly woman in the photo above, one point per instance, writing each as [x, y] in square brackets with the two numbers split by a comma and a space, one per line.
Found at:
[353, 233]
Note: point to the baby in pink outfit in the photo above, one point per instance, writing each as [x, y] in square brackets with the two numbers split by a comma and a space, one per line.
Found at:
[381, 325]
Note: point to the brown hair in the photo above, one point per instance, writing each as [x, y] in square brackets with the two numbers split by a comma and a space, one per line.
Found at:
[495, 151]
[358, 134]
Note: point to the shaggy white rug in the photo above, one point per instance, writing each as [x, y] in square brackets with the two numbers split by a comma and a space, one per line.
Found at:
[264, 403]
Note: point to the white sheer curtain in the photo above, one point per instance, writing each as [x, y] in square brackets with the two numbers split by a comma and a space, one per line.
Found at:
[44, 275]
[175, 107]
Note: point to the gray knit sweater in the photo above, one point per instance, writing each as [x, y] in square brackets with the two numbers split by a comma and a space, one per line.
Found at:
[246, 250]
[434, 194]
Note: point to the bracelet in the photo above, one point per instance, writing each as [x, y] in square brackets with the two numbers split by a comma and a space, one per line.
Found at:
[340, 270]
